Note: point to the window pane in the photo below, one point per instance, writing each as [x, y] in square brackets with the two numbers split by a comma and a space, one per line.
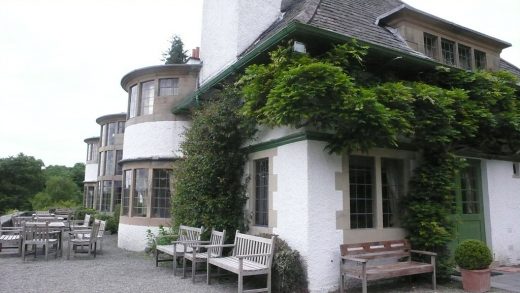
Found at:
[448, 52]
[117, 192]
[119, 157]
[101, 167]
[125, 202]
[480, 60]
[469, 191]
[261, 192]
[132, 110]
[106, 196]
[140, 193]
[361, 177]
[161, 193]
[90, 197]
[109, 163]
[465, 57]
[430, 45]
[147, 97]
[168, 87]
[392, 172]
[104, 135]
[111, 135]
[121, 127]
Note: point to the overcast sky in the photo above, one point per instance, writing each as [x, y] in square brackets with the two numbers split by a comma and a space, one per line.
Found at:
[61, 61]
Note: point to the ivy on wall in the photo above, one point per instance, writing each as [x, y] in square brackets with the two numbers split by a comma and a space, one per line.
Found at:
[444, 112]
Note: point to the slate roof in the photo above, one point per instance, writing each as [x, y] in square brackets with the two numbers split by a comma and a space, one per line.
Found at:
[352, 18]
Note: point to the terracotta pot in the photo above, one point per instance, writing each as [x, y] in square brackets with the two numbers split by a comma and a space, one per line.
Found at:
[476, 281]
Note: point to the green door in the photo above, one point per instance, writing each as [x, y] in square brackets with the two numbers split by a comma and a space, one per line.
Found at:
[469, 214]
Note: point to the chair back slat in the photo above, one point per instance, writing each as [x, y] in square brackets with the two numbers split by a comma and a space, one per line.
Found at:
[216, 238]
[247, 244]
[187, 233]
[35, 232]
[374, 247]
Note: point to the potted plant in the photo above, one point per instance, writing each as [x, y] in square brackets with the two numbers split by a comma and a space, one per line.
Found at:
[473, 258]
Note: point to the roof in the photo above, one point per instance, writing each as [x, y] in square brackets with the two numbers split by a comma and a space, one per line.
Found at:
[111, 118]
[168, 68]
[406, 10]
[504, 65]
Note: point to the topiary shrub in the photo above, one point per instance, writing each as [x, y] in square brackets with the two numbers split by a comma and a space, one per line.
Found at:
[473, 255]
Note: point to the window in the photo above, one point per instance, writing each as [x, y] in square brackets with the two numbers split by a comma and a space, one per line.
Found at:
[362, 189]
[106, 196]
[448, 52]
[161, 193]
[89, 196]
[147, 97]
[168, 87]
[465, 57]
[132, 110]
[121, 127]
[117, 192]
[392, 175]
[101, 167]
[140, 193]
[111, 134]
[480, 60]
[119, 157]
[469, 191]
[430, 45]
[109, 163]
[125, 200]
[104, 135]
[261, 192]
[92, 150]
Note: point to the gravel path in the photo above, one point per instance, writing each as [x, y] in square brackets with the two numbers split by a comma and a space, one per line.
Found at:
[117, 270]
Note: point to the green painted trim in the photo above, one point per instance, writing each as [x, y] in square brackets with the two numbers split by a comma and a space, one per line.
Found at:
[292, 138]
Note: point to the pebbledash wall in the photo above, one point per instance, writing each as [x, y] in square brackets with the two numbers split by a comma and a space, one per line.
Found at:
[151, 147]
[502, 195]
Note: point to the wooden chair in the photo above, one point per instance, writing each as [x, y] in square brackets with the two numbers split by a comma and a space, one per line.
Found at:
[78, 239]
[188, 235]
[35, 234]
[216, 238]
[80, 224]
[19, 221]
[101, 232]
[12, 237]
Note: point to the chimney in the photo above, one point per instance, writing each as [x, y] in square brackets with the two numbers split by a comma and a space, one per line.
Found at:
[195, 53]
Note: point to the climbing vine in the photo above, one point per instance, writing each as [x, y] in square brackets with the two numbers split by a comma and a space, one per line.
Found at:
[442, 113]
[209, 186]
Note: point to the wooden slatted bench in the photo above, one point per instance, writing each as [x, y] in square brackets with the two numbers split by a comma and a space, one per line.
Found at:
[360, 261]
[252, 255]
[187, 235]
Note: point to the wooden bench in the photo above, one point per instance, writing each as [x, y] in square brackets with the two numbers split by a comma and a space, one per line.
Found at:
[252, 255]
[360, 261]
[187, 238]
[198, 256]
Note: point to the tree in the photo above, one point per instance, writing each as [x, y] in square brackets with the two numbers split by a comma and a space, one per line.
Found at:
[59, 191]
[176, 53]
[21, 177]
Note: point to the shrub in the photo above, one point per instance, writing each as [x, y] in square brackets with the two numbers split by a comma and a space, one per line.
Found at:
[80, 212]
[164, 237]
[473, 254]
[112, 221]
[289, 273]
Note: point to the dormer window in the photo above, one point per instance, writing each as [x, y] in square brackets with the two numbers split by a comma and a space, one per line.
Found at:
[464, 57]
[480, 60]
[430, 45]
[448, 52]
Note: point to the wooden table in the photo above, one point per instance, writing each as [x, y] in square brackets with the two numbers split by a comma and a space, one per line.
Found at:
[61, 227]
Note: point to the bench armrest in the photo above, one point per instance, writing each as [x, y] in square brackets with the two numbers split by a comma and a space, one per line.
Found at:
[423, 252]
[350, 258]
[252, 255]
[188, 241]
[217, 245]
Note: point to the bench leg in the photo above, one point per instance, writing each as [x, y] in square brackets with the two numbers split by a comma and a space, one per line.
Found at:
[434, 280]
[156, 258]
[240, 283]
[341, 283]
[208, 272]
[183, 267]
[269, 282]
[193, 269]
[364, 284]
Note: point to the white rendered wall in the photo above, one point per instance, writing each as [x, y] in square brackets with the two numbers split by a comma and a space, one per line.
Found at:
[91, 172]
[133, 237]
[306, 202]
[324, 202]
[503, 192]
[231, 26]
[154, 139]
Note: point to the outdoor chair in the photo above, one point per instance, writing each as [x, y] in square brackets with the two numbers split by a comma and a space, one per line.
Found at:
[38, 234]
[80, 224]
[78, 238]
[10, 237]
[101, 232]
[196, 256]
[19, 221]
[188, 235]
